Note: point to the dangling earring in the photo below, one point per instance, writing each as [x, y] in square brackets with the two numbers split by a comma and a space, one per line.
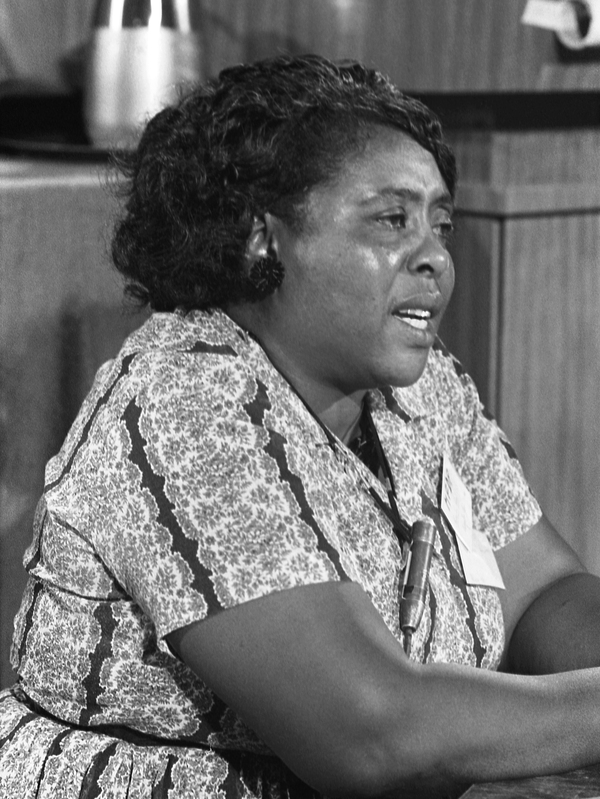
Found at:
[266, 275]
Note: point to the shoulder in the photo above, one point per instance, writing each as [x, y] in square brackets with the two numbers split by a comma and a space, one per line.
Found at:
[175, 372]
[178, 337]
[199, 355]
[201, 372]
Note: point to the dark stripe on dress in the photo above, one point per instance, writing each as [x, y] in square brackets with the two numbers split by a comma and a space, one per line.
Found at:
[439, 346]
[126, 363]
[54, 750]
[233, 787]
[487, 414]
[35, 558]
[155, 484]
[456, 578]
[266, 777]
[103, 650]
[432, 616]
[391, 403]
[28, 624]
[164, 785]
[508, 447]
[23, 722]
[276, 449]
[90, 788]
[213, 349]
[504, 441]
[212, 720]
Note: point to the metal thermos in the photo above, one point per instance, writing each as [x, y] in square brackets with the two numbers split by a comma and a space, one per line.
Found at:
[139, 53]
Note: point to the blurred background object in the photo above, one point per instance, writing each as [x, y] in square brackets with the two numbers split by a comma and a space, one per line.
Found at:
[140, 52]
[576, 23]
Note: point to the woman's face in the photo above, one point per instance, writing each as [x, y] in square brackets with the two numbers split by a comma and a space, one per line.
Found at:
[369, 276]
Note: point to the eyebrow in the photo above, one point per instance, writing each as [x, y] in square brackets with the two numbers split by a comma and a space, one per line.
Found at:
[413, 195]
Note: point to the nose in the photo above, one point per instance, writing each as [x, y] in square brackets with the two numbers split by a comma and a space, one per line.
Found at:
[430, 257]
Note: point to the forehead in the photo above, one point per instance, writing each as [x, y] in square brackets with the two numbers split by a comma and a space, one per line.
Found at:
[390, 163]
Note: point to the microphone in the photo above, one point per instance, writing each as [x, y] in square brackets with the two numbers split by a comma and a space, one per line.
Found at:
[412, 603]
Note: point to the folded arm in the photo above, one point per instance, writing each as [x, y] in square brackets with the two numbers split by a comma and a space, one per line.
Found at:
[317, 674]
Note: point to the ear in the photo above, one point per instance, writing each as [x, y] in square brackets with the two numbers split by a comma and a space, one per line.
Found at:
[261, 239]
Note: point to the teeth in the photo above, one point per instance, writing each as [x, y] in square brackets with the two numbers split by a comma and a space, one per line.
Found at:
[420, 324]
[415, 317]
[419, 313]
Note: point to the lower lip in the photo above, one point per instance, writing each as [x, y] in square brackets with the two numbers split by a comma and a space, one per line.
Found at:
[422, 335]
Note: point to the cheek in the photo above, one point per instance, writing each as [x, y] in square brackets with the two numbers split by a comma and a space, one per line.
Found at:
[364, 276]
[339, 279]
[448, 280]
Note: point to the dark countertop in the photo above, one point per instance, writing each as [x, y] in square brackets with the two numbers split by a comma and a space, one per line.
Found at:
[579, 784]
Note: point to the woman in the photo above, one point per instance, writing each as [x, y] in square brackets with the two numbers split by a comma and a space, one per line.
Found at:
[213, 603]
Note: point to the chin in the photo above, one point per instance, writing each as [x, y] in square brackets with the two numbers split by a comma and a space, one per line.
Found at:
[408, 371]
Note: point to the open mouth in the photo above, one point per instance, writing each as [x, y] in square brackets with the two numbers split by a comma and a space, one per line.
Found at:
[415, 317]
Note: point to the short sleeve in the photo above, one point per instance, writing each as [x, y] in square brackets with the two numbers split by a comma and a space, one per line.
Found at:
[503, 504]
[197, 505]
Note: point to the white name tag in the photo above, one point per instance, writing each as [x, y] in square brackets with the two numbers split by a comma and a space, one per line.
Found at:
[476, 554]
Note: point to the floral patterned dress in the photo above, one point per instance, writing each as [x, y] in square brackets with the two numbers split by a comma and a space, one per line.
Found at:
[194, 479]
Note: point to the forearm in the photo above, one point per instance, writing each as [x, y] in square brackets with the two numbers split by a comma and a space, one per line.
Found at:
[520, 726]
[476, 726]
[334, 696]
[560, 631]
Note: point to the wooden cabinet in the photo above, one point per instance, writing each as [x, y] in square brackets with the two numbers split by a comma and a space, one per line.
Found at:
[524, 319]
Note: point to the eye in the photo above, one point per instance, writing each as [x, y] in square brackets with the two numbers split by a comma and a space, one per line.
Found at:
[396, 219]
[445, 230]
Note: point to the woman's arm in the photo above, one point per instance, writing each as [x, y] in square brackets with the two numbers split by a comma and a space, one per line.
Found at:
[551, 605]
[317, 674]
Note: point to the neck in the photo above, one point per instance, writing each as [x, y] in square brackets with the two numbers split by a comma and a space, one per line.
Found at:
[337, 410]
[342, 419]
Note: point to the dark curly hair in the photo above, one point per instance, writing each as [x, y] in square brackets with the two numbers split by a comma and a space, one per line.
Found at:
[257, 138]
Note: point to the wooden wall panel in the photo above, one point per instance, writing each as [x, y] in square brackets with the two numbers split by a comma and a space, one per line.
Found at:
[518, 158]
[528, 263]
[550, 370]
[458, 45]
[233, 32]
[425, 45]
[470, 326]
